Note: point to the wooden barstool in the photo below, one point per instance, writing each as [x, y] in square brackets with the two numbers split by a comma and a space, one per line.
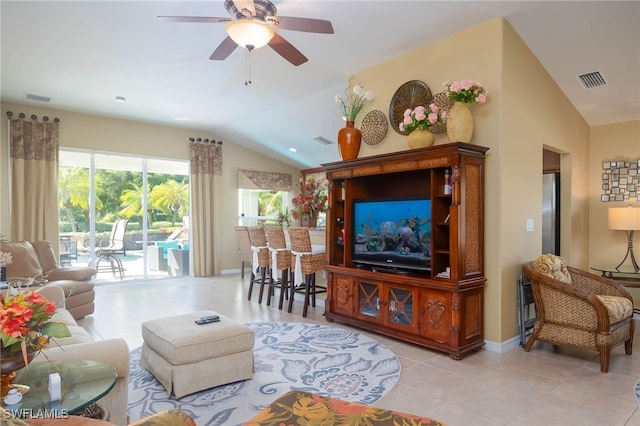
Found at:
[260, 259]
[306, 260]
[280, 260]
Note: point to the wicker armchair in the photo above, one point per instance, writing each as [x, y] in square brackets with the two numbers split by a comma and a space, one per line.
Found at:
[579, 309]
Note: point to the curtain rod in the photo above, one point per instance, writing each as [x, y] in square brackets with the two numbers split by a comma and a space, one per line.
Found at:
[33, 117]
[205, 140]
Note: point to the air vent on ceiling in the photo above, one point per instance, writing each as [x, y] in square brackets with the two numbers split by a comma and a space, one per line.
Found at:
[592, 80]
[322, 140]
[37, 98]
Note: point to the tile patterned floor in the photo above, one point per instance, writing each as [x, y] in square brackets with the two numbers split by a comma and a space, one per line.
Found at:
[544, 387]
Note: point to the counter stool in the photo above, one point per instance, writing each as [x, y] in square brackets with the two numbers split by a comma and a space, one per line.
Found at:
[280, 261]
[306, 260]
[260, 259]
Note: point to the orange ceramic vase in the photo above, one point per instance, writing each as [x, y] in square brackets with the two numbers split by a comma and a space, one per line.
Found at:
[349, 139]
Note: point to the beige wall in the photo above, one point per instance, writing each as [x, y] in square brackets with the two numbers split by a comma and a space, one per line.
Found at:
[526, 111]
[613, 142]
[151, 141]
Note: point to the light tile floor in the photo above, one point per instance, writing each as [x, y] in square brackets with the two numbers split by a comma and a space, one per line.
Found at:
[544, 387]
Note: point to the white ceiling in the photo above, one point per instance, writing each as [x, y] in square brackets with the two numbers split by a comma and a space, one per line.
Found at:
[82, 54]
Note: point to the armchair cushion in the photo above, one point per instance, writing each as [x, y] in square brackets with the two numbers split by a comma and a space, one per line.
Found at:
[618, 308]
[166, 245]
[552, 266]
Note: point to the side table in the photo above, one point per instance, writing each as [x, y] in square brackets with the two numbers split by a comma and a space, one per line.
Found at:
[83, 383]
[627, 276]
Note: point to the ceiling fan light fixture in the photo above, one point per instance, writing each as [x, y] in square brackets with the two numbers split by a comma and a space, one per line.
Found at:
[247, 32]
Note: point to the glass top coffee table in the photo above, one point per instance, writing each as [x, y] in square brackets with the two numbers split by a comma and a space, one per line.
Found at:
[83, 383]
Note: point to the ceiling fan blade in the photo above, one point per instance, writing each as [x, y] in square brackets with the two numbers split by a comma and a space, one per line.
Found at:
[223, 51]
[287, 51]
[301, 24]
[245, 5]
[203, 19]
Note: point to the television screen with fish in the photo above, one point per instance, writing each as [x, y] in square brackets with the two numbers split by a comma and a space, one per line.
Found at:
[392, 234]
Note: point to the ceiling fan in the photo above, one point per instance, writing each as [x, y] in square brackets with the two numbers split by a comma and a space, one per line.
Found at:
[252, 25]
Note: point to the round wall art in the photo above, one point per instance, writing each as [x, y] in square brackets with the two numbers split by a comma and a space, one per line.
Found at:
[374, 127]
[409, 95]
[444, 103]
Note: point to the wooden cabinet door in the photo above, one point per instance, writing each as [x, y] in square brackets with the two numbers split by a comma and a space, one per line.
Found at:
[369, 302]
[435, 315]
[401, 303]
[343, 295]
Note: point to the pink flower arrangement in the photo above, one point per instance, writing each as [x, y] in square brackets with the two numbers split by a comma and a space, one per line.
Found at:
[467, 91]
[421, 118]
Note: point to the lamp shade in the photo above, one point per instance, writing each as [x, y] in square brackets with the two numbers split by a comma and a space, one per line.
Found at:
[624, 218]
[246, 32]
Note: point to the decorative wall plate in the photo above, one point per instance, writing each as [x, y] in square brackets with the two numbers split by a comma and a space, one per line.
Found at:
[444, 103]
[409, 95]
[374, 127]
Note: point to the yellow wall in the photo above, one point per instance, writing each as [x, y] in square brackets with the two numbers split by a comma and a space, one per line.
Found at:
[613, 142]
[526, 111]
[151, 141]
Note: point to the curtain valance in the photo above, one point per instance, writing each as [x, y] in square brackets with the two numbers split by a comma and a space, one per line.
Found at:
[268, 181]
[206, 157]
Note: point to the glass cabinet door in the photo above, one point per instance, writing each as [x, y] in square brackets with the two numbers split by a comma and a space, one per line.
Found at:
[369, 300]
[401, 304]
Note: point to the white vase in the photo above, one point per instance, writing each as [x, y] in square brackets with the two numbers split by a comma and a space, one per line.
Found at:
[459, 123]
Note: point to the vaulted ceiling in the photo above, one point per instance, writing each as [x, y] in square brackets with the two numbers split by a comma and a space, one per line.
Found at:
[83, 54]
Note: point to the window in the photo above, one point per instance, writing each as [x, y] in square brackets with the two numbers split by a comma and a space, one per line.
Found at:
[263, 197]
[257, 206]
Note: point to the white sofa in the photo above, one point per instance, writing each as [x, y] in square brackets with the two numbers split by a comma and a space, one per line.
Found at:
[113, 352]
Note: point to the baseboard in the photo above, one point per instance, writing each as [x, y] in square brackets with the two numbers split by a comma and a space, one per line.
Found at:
[235, 271]
[502, 347]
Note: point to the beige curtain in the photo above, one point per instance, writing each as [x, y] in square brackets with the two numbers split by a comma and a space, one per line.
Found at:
[206, 169]
[34, 157]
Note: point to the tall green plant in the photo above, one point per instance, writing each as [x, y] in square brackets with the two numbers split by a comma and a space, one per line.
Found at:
[73, 193]
[171, 197]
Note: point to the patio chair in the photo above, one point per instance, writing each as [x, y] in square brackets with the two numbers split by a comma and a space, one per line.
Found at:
[111, 250]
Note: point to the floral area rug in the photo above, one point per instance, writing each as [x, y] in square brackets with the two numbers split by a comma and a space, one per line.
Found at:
[329, 361]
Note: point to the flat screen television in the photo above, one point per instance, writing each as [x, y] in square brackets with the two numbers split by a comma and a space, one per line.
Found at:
[392, 234]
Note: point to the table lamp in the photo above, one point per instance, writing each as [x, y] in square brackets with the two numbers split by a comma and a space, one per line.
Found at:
[626, 219]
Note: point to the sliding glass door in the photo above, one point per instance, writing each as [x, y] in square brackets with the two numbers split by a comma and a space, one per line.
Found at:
[128, 216]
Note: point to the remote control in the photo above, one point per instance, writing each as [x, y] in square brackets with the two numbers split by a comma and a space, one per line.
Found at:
[207, 320]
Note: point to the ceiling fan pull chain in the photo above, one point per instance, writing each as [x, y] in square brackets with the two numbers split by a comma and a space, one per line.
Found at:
[247, 65]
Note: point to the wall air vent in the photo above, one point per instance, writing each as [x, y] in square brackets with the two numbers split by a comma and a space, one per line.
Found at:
[592, 80]
[36, 98]
[322, 140]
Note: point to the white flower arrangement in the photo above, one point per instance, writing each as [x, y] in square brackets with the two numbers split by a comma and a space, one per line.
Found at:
[5, 258]
[354, 102]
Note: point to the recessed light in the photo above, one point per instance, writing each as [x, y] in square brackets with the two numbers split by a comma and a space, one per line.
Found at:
[120, 99]
[293, 150]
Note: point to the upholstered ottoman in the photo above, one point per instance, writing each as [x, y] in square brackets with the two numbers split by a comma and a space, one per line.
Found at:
[187, 358]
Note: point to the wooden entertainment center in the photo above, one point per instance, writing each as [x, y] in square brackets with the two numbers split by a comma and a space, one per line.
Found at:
[429, 307]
